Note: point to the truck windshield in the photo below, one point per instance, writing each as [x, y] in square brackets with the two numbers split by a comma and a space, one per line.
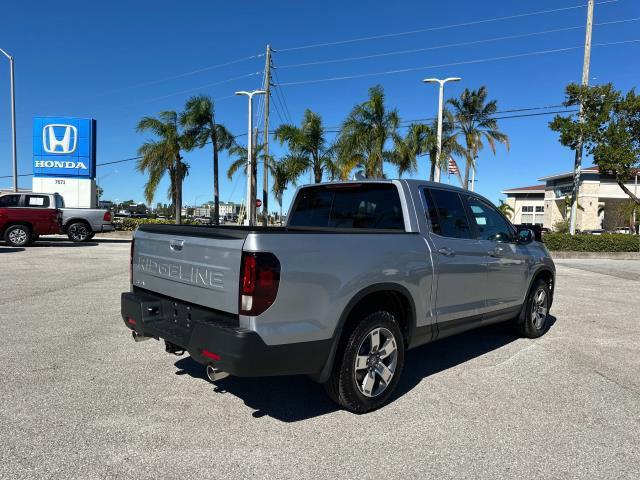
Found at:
[366, 206]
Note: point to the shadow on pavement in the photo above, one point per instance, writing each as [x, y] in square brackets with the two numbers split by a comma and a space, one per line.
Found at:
[4, 249]
[296, 398]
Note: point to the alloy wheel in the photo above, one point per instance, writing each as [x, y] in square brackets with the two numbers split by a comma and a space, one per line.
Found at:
[539, 308]
[18, 236]
[78, 232]
[376, 362]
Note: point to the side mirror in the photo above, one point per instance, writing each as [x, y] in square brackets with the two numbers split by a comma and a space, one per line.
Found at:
[525, 236]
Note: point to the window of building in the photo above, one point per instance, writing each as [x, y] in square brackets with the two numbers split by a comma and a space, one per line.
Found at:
[527, 209]
[526, 219]
[540, 209]
[447, 213]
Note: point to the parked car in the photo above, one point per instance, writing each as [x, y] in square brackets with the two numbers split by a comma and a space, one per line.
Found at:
[24, 217]
[79, 224]
[362, 272]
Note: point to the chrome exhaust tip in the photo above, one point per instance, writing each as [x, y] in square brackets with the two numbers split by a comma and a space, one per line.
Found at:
[214, 374]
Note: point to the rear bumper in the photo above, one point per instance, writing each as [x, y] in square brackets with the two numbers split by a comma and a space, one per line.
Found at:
[107, 227]
[203, 332]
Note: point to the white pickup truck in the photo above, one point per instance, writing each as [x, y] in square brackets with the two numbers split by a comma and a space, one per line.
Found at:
[362, 272]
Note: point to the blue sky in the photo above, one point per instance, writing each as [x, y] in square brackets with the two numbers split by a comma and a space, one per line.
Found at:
[117, 61]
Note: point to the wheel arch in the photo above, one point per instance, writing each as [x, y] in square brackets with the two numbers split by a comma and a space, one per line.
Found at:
[548, 275]
[12, 223]
[367, 300]
[76, 220]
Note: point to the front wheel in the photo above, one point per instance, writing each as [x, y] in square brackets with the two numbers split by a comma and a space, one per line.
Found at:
[536, 311]
[369, 364]
[78, 232]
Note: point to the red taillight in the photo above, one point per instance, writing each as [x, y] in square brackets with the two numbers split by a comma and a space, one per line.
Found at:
[131, 321]
[259, 281]
[210, 355]
[133, 242]
[107, 216]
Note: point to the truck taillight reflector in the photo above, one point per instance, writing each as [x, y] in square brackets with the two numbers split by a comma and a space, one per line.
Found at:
[259, 281]
[107, 216]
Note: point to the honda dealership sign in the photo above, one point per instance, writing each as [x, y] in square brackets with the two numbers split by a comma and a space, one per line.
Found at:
[64, 159]
[64, 147]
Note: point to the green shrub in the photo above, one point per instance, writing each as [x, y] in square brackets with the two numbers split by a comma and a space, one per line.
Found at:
[610, 242]
[130, 224]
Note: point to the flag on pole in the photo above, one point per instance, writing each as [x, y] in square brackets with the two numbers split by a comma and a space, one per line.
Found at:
[453, 167]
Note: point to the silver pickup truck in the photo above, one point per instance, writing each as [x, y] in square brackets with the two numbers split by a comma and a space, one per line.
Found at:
[362, 272]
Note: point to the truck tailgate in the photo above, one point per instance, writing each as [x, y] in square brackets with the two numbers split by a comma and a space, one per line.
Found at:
[193, 267]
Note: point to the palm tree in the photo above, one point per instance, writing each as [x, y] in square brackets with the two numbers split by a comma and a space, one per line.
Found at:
[474, 122]
[308, 150]
[281, 179]
[364, 134]
[200, 121]
[163, 155]
[506, 209]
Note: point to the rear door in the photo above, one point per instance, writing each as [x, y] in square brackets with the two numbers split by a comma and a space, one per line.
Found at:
[507, 262]
[461, 262]
[194, 264]
[41, 213]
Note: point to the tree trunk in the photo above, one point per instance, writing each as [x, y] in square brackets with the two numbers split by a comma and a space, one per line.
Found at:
[466, 174]
[178, 193]
[317, 169]
[627, 191]
[432, 172]
[216, 192]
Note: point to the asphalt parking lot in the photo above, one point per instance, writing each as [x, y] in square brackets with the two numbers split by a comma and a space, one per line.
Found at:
[80, 399]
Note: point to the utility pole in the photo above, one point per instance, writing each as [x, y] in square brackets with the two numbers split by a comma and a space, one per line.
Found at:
[254, 177]
[585, 83]
[265, 171]
[13, 121]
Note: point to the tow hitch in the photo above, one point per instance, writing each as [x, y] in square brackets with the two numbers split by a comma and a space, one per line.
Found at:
[173, 348]
[139, 338]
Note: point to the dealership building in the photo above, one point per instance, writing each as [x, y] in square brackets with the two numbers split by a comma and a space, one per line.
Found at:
[546, 204]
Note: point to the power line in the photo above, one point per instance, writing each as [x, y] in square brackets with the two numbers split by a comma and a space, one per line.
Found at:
[177, 76]
[441, 27]
[466, 62]
[190, 90]
[337, 130]
[281, 94]
[451, 45]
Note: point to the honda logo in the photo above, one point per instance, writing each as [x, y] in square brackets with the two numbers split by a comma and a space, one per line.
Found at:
[59, 138]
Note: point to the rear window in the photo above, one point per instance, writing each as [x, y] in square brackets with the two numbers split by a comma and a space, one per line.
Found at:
[366, 206]
[59, 201]
[41, 201]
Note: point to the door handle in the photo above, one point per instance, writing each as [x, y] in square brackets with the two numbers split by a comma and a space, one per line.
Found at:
[446, 251]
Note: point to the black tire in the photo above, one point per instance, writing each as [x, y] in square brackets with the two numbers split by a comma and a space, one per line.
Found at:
[91, 235]
[18, 235]
[78, 232]
[534, 321]
[348, 384]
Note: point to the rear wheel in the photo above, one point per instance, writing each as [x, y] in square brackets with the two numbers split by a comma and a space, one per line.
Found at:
[369, 364]
[79, 232]
[535, 322]
[18, 235]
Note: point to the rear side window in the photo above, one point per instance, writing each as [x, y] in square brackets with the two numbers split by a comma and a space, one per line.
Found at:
[41, 201]
[9, 200]
[366, 206]
[447, 214]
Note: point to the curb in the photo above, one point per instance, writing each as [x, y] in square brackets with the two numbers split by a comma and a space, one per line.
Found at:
[602, 255]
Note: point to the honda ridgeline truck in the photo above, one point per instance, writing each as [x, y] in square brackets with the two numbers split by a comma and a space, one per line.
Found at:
[362, 272]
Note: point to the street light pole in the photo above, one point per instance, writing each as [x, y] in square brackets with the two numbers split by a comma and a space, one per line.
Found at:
[250, 205]
[13, 122]
[440, 111]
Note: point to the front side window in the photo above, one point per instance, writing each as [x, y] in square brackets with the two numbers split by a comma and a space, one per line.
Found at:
[490, 224]
[447, 214]
[9, 200]
[349, 206]
[37, 201]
